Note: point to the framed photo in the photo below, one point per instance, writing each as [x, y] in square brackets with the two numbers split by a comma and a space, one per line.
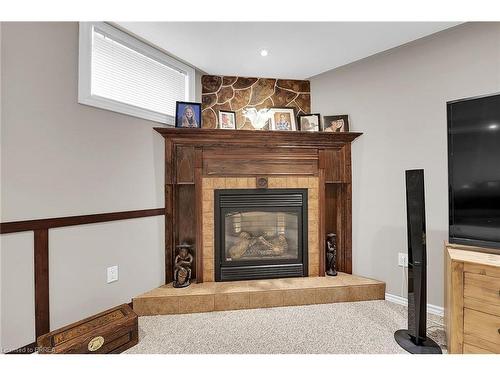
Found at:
[227, 120]
[282, 119]
[187, 115]
[338, 123]
[310, 122]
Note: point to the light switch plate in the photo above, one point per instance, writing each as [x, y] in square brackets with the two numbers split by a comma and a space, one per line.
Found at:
[112, 274]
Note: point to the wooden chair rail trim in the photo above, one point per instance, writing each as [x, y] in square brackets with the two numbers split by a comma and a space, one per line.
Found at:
[36, 224]
[41, 256]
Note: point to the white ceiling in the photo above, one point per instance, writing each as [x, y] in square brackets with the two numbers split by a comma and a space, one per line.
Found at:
[296, 49]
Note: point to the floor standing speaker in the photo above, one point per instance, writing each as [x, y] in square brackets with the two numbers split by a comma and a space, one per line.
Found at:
[414, 339]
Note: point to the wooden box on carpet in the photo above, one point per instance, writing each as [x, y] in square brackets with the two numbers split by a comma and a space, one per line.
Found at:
[112, 331]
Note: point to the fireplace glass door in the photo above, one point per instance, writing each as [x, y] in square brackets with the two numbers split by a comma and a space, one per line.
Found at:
[260, 233]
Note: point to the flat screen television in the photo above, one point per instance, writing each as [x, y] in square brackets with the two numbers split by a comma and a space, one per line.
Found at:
[474, 171]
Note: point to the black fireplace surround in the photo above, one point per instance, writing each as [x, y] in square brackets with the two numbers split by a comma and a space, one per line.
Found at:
[260, 233]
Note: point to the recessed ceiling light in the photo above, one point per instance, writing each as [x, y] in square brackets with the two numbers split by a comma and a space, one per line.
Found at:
[264, 52]
[493, 126]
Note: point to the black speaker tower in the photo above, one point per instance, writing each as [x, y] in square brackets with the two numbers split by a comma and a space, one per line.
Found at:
[414, 339]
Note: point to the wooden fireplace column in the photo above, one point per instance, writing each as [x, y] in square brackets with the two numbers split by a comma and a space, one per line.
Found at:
[191, 154]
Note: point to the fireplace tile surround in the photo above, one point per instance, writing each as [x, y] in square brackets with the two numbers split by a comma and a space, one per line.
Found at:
[209, 184]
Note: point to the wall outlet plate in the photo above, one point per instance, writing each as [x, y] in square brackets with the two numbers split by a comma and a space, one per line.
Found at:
[402, 260]
[112, 274]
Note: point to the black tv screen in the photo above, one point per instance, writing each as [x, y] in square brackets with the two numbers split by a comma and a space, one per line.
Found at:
[474, 171]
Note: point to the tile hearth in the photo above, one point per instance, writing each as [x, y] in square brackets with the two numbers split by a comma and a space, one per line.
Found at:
[236, 295]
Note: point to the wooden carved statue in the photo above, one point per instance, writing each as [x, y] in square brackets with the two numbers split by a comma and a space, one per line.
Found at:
[331, 254]
[182, 266]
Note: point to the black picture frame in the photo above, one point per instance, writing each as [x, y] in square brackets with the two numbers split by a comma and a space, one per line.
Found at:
[327, 120]
[302, 128]
[180, 107]
[291, 111]
[219, 125]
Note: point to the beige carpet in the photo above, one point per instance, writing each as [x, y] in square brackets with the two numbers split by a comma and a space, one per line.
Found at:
[353, 327]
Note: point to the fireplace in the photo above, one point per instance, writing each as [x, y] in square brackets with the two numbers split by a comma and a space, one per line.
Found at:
[260, 233]
[201, 161]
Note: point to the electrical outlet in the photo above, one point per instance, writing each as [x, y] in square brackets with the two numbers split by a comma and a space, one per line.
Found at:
[112, 274]
[402, 260]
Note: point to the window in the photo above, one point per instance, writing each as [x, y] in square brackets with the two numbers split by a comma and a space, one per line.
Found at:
[120, 73]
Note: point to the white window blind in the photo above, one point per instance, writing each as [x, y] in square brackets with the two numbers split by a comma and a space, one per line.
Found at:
[128, 76]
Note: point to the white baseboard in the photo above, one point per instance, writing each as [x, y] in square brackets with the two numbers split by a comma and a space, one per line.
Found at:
[433, 309]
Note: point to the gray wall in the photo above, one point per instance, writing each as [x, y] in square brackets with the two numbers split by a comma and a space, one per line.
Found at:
[398, 100]
[60, 158]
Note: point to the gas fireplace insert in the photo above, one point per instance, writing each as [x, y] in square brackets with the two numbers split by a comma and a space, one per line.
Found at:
[260, 233]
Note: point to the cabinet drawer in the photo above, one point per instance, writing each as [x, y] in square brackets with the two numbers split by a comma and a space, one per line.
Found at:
[471, 349]
[480, 327]
[485, 289]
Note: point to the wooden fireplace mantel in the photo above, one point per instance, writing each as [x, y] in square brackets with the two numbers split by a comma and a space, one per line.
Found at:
[191, 154]
[271, 138]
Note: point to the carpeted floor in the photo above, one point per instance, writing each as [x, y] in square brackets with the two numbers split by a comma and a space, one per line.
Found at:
[354, 327]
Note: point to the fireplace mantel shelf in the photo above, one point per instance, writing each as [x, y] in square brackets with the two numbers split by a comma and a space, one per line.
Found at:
[262, 137]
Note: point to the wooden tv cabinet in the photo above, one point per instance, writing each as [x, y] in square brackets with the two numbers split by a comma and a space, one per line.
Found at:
[472, 300]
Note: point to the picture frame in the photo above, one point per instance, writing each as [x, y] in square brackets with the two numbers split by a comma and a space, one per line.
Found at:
[187, 115]
[336, 123]
[309, 122]
[282, 119]
[227, 120]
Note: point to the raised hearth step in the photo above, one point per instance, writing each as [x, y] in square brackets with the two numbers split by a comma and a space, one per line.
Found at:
[236, 295]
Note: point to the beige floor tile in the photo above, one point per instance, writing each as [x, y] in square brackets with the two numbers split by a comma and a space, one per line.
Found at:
[195, 289]
[266, 299]
[232, 287]
[366, 292]
[331, 295]
[299, 297]
[196, 303]
[232, 301]
[274, 284]
[156, 306]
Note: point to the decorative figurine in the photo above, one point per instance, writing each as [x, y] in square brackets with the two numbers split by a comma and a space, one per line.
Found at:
[182, 266]
[331, 254]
